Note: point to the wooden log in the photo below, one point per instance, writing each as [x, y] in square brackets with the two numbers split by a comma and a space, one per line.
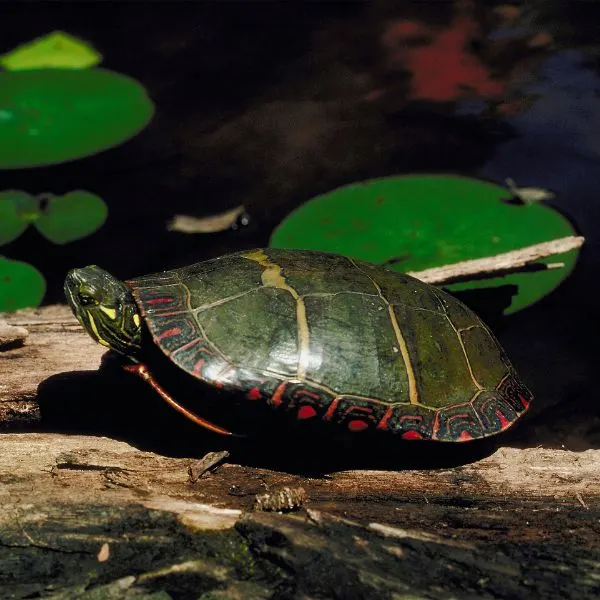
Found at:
[88, 516]
[56, 344]
[97, 514]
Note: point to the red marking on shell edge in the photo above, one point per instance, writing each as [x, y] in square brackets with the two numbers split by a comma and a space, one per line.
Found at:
[188, 346]
[300, 393]
[411, 435]
[504, 422]
[525, 402]
[254, 394]
[357, 425]
[169, 333]
[327, 416]
[358, 409]
[276, 397]
[197, 370]
[163, 300]
[383, 424]
[465, 435]
[436, 426]
[306, 412]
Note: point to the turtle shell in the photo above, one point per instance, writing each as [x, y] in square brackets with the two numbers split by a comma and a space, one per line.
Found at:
[326, 337]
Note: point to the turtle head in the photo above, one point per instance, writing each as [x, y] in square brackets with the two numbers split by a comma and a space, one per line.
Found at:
[106, 308]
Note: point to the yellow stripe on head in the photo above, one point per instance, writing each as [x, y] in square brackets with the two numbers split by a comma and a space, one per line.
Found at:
[111, 313]
[98, 337]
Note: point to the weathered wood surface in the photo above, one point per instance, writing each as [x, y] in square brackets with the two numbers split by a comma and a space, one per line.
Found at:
[93, 516]
[56, 344]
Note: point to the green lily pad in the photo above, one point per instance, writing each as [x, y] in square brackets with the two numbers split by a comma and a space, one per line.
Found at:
[49, 116]
[21, 285]
[55, 50]
[17, 210]
[415, 222]
[72, 216]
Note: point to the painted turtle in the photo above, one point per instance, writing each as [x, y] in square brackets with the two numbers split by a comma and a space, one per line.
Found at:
[318, 336]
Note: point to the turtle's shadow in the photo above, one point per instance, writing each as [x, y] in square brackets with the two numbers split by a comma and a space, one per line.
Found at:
[118, 405]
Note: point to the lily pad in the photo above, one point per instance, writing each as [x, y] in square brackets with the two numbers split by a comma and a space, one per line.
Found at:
[21, 285]
[72, 216]
[17, 210]
[415, 222]
[49, 116]
[55, 50]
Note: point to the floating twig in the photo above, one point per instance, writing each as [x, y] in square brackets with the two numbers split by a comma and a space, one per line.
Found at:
[529, 195]
[523, 259]
[210, 224]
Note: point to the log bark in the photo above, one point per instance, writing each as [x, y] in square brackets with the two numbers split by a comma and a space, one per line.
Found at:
[114, 514]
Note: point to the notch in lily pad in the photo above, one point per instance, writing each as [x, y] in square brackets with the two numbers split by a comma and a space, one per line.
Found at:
[17, 211]
[70, 217]
[417, 222]
[60, 219]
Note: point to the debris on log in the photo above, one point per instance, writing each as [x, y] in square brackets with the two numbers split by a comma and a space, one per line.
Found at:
[11, 335]
[209, 463]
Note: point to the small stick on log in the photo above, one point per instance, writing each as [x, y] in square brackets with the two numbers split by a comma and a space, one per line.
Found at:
[501, 264]
[210, 462]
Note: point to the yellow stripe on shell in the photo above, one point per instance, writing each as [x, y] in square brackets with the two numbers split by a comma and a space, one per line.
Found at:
[272, 277]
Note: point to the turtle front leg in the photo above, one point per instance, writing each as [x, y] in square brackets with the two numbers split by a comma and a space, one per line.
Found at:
[143, 373]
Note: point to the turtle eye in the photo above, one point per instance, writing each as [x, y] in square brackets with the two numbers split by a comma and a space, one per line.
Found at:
[86, 299]
[89, 296]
